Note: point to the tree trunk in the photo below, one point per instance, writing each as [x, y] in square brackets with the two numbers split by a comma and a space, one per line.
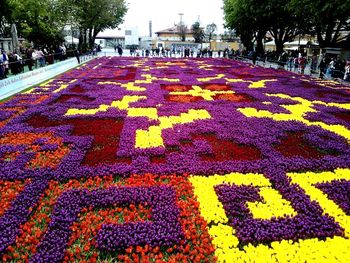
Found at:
[94, 37]
[91, 44]
[81, 38]
[279, 46]
[259, 42]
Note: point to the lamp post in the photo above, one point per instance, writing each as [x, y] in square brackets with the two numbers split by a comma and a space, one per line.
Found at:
[180, 26]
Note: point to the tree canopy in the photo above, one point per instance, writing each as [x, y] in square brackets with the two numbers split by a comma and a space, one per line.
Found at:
[328, 20]
[43, 21]
[39, 21]
[210, 30]
[285, 19]
[198, 33]
[94, 16]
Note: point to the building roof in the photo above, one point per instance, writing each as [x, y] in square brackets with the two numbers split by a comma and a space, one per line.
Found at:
[173, 30]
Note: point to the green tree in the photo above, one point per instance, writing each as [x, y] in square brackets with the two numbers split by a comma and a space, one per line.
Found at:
[229, 35]
[252, 19]
[94, 16]
[210, 30]
[248, 20]
[328, 20]
[283, 22]
[198, 33]
[39, 21]
[4, 15]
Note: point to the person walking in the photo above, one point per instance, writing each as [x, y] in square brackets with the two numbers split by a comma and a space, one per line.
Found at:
[41, 57]
[120, 50]
[77, 54]
[322, 66]
[29, 61]
[347, 72]
[5, 62]
[254, 57]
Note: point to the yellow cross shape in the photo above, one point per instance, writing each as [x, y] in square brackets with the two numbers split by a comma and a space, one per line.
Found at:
[152, 137]
[197, 91]
[298, 112]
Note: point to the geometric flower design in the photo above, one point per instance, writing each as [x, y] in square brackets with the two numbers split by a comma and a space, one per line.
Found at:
[95, 165]
[207, 92]
[239, 234]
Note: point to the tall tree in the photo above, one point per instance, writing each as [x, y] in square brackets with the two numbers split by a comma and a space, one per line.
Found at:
[39, 21]
[198, 33]
[182, 30]
[248, 19]
[254, 18]
[210, 30]
[94, 16]
[329, 20]
[283, 22]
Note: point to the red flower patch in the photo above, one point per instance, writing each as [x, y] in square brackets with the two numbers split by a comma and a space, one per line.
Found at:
[125, 74]
[106, 133]
[226, 150]
[183, 98]
[66, 97]
[345, 116]
[176, 88]
[77, 89]
[196, 245]
[8, 192]
[158, 159]
[235, 97]
[294, 144]
[216, 87]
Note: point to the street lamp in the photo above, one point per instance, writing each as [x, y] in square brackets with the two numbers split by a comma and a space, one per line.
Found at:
[180, 26]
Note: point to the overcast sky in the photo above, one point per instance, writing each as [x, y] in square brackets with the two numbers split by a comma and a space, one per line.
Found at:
[164, 13]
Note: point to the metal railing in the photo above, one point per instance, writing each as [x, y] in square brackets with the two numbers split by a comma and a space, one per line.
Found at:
[307, 69]
[27, 64]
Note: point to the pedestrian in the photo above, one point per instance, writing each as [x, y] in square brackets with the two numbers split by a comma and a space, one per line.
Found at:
[5, 61]
[77, 55]
[296, 64]
[41, 57]
[302, 64]
[254, 57]
[322, 66]
[347, 72]
[2, 69]
[35, 58]
[331, 68]
[120, 50]
[29, 61]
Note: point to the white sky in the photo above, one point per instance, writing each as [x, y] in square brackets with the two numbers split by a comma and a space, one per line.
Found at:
[164, 13]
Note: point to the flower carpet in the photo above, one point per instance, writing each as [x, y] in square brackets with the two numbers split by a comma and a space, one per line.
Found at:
[176, 160]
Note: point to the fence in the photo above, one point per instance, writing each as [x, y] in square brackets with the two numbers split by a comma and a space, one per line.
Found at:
[16, 83]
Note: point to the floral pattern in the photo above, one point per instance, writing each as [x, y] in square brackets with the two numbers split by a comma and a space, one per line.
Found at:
[175, 160]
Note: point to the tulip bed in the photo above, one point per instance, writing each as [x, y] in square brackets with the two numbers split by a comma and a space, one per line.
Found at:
[176, 160]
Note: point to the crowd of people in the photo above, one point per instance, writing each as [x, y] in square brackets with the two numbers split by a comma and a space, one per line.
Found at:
[327, 66]
[14, 62]
[330, 67]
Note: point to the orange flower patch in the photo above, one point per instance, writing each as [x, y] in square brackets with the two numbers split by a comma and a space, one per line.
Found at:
[48, 158]
[195, 247]
[182, 98]
[15, 112]
[233, 97]
[176, 88]
[8, 192]
[43, 158]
